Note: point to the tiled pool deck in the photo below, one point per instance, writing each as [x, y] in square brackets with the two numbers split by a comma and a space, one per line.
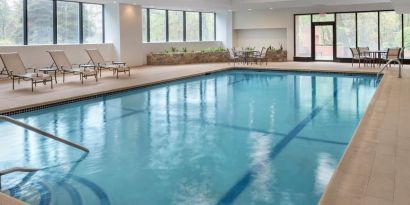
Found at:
[374, 170]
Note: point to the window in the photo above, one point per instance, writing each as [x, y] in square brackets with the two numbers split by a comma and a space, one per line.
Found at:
[144, 25]
[303, 36]
[68, 22]
[40, 21]
[323, 17]
[390, 30]
[345, 34]
[406, 27]
[182, 26]
[92, 23]
[176, 26]
[192, 26]
[367, 30]
[11, 22]
[157, 25]
[208, 26]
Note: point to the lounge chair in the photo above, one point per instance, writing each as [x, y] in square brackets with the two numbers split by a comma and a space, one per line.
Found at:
[17, 71]
[62, 63]
[100, 63]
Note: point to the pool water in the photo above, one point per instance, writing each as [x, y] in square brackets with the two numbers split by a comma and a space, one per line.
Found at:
[233, 137]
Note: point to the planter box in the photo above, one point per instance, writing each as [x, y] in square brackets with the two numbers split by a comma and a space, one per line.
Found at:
[200, 57]
[187, 58]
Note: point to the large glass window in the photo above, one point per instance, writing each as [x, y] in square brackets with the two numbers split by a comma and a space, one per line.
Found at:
[345, 34]
[390, 30]
[176, 26]
[68, 18]
[367, 30]
[92, 23]
[323, 17]
[40, 21]
[11, 22]
[406, 27]
[157, 25]
[192, 26]
[303, 36]
[144, 25]
[208, 26]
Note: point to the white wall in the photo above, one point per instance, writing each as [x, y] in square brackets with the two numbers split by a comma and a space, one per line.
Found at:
[260, 38]
[124, 31]
[35, 56]
[224, 28]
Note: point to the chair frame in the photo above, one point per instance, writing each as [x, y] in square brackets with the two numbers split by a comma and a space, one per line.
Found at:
[20, 77]
[65, 70]
[116, 65]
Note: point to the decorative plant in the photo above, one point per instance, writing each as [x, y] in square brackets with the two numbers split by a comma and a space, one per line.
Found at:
[281, 47]
[184, 49]
[174, 50]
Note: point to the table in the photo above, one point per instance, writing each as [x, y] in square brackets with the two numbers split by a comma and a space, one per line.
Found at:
[375, 56]
[47, 70]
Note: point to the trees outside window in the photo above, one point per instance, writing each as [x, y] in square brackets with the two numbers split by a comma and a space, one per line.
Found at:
[345, 34]
[92, 23]
[176, 26]
[157, 25]
[367, 30]
[208, 26]
[68, 22]
[192, 26]
[40, 21]
[303, 38]
[11, 22]
[390, 30]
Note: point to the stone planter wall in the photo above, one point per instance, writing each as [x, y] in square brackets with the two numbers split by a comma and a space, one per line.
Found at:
[199, 57]
[187, 58]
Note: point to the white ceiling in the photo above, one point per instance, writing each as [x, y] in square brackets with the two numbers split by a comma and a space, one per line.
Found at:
[236, 5]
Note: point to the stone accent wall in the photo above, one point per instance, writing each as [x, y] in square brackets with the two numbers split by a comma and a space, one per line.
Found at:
[201, 57]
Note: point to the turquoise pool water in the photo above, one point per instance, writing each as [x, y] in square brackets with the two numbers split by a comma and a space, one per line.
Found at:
[233, 137]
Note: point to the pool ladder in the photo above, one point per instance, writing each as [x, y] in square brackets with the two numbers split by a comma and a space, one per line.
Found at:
[388, 64]
[38, 131]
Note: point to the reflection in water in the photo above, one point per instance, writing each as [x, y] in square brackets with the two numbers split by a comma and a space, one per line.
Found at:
[324, 171]
[190, 142]
[261, 146]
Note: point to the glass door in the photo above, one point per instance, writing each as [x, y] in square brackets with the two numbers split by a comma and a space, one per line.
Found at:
[324, 42]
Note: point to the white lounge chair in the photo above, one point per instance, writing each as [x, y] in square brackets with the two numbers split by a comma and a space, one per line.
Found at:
[62, 63]
[17, 71]
[100, 63]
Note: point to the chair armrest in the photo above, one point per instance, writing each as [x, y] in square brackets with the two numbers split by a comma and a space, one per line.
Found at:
[118, 63]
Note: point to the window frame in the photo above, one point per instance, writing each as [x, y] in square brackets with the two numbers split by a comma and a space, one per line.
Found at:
[148, 26]
[54, 19]
[339, 59]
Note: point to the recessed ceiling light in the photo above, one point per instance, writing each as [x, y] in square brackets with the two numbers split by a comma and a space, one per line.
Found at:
[271, 8]
[249, 9]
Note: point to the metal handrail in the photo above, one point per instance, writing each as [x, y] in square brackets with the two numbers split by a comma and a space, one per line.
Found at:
[43, 133]
[16, 169]
[389, 63]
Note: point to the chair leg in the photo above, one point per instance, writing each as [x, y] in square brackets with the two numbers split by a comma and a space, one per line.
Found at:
[51, 82]
[13, 82]
[63, 76]
[82, 78]
[32, 83]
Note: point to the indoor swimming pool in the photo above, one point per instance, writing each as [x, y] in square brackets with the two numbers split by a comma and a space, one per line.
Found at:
[231, 137]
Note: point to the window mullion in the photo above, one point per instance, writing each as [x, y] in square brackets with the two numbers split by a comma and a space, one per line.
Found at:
[55, 22]
[25, 28]
[80, 23]
[184, 26]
